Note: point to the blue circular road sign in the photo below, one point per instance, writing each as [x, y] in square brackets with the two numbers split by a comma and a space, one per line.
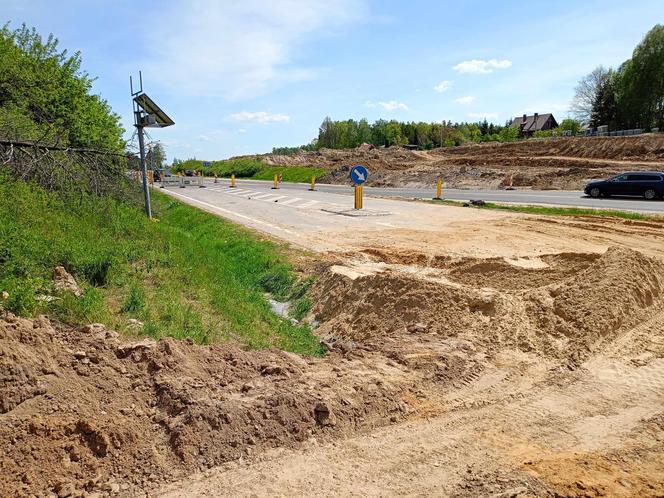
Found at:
[359, 174]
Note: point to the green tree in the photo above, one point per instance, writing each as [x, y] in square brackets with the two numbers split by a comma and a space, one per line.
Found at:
[393, 135]
[571, 125]
[641, 94]
[45, 85]
[156, 156]
[605, 108]
[363, 132]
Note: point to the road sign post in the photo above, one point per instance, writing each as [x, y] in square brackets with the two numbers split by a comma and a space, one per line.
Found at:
[358, 197]
[359, 175]
[147, 114]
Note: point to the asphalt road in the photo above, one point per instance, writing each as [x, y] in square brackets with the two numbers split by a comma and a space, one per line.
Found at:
[532, 197]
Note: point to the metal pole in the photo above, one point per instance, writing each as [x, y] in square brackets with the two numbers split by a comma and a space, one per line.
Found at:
[144, 167]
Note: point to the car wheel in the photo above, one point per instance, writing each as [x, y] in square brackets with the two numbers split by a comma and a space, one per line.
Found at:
[595, 192]
[650, 194]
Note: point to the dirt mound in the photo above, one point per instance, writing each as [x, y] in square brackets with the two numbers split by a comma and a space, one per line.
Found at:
[541, 163]
[86, 411]
[614, 293]
[558, 306]
[646, 147]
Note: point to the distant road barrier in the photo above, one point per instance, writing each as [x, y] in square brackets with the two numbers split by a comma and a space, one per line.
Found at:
[183, 181]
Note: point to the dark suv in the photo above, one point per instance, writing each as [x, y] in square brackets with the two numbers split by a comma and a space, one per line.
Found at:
[648, 184]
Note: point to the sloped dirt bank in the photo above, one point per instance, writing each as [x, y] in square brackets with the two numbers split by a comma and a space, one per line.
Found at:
[84, 411]
[558, 163]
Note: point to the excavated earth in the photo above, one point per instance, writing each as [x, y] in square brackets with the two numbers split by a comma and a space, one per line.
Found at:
[554, 163]
[530, 376]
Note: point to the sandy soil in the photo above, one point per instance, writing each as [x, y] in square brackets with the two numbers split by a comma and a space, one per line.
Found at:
[558, 163]
[489, 355]
[546, 380]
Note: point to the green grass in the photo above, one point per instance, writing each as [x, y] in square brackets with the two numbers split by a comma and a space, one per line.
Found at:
[190, 274]
[559, 211]
[290, 174]
[243, 167]
[256, 169]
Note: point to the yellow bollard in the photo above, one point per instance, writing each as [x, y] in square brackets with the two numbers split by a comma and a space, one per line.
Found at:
[358, 196]
[215, 178]
[439, 189]
[313, 183]
[232, 181]
[276, 182]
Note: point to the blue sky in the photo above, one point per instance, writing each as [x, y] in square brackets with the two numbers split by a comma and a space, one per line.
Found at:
[240, 77]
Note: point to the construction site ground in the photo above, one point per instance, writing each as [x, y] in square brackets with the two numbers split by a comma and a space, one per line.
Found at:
[549, 163]
[471, 353]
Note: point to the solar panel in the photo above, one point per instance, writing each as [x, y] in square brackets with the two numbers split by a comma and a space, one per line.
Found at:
[149, 106]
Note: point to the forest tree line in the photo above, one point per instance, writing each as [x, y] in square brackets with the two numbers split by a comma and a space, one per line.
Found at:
[351, 133]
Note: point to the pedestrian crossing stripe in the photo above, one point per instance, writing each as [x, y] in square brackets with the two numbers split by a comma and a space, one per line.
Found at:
[290, 201]
[308, 204]
[267, 197]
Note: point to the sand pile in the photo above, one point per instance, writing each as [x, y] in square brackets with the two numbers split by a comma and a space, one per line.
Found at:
[86, 411]
[558, 306]
[613, 294]
[388, 303]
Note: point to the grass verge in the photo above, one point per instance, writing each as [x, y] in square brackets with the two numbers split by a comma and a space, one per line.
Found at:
[290, 174]
[256, 169]
[191, 274]
[558, 211]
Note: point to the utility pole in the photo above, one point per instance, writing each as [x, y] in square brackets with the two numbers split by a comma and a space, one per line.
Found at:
[146, 114]
[144, 168]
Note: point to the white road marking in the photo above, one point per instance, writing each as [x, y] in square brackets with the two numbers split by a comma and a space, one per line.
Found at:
[262, 196]
[233, 213]
[290, 201]
[307, 204]
[240, 192]
[267, 199]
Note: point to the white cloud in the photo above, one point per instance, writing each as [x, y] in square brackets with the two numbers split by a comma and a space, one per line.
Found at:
[483, 115]
[239, 49]
[477, 66]
[393, 105]
[443, 86]
[465, 100]
[242, 130]
[260, 117]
